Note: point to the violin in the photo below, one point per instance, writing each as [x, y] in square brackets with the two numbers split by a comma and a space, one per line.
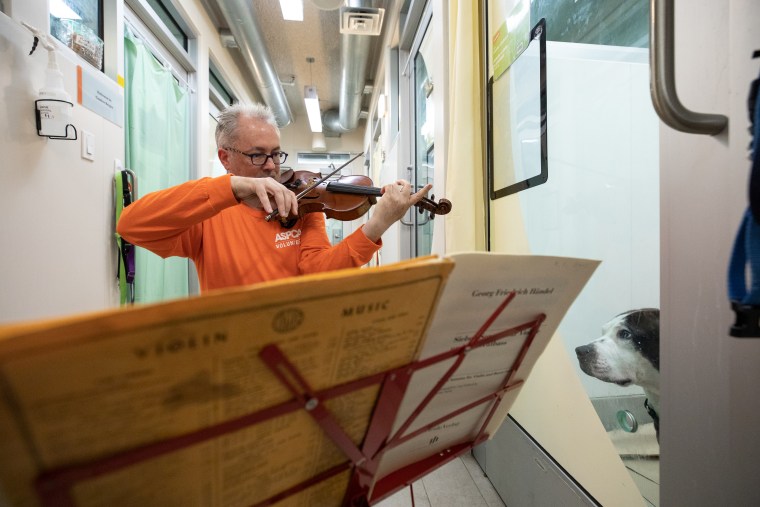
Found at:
[346, 198]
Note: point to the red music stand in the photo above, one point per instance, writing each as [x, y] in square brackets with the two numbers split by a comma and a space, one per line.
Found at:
[365, 488]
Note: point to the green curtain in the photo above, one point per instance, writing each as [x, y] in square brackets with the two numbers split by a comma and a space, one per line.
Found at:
[158, 150]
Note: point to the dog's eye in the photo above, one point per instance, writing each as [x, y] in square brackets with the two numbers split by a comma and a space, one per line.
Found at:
[624, 334]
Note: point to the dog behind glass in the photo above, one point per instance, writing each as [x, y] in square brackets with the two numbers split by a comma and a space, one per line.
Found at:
[628, 353]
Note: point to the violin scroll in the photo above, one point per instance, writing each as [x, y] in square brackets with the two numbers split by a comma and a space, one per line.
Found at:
[442, 207]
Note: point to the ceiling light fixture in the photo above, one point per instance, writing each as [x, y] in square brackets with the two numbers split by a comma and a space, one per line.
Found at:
[292, 10]
[318, 142]
[327, 5]
[312, 103]
[381, 107]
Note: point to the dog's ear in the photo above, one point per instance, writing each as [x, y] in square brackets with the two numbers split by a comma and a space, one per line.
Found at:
[647, 318]
[645, 326]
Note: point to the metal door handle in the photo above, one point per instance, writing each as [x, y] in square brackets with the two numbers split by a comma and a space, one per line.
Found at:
[662, 75]
[134, 184]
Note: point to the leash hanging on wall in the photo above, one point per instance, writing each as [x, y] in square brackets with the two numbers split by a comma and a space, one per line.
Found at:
[125, 183]
[745, 258]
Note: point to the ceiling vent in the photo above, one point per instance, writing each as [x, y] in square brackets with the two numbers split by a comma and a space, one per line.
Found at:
[361, 20]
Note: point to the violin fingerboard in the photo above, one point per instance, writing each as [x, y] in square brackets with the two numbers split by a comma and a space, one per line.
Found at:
[343, 188]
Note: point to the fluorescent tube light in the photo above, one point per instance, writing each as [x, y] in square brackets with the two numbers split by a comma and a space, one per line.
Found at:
[381, 107]
[312, 108]
[292, 10]
[318, 142]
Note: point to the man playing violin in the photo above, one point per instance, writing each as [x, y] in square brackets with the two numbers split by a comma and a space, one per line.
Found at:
[220, 223]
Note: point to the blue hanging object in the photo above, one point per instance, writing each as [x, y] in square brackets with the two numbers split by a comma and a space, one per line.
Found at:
[745, 258]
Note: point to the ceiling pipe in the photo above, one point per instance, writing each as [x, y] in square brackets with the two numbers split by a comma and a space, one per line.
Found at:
[354, 55]
[240, 16]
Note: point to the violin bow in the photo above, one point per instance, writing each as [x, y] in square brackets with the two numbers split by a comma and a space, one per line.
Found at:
[308, 189]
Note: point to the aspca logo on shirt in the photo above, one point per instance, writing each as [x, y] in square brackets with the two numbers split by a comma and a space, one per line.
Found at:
[287, 238]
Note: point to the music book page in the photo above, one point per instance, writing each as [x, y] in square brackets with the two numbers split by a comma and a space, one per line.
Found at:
[84, 388]
[478, 284]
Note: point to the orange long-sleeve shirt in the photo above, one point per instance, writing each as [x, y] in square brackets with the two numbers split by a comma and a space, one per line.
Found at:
[230, 243]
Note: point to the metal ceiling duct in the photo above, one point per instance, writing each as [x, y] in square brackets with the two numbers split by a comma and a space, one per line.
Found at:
[240, 16]
[354, 55]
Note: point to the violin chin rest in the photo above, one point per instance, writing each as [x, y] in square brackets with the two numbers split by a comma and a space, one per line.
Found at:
[287, 223]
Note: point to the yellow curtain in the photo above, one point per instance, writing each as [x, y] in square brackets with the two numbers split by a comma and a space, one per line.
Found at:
[465, 225]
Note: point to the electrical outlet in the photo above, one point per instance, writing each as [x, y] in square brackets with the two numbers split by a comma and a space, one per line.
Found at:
[88, 145]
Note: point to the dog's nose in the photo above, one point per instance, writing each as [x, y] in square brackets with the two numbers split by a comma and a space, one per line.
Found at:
[583, 351]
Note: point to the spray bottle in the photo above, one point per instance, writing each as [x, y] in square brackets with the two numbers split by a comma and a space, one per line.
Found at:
[53, 103]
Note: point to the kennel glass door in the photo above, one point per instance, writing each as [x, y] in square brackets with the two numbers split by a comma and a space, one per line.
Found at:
[601, 200]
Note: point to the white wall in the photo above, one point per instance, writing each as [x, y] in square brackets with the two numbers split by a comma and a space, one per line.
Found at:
[58, 254]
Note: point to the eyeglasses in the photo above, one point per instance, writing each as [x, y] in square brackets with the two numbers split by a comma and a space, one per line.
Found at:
[278, 157]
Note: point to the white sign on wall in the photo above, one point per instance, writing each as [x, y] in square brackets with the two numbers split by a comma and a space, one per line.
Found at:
[100, 95]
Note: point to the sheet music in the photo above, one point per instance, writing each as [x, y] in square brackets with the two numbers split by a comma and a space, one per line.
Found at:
[73, 391]
[88, 387]
[476, 287]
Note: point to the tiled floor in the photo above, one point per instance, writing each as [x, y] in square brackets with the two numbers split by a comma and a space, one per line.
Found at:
[458, 483]
[646, 475]
[462, 482]
[640, 453]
